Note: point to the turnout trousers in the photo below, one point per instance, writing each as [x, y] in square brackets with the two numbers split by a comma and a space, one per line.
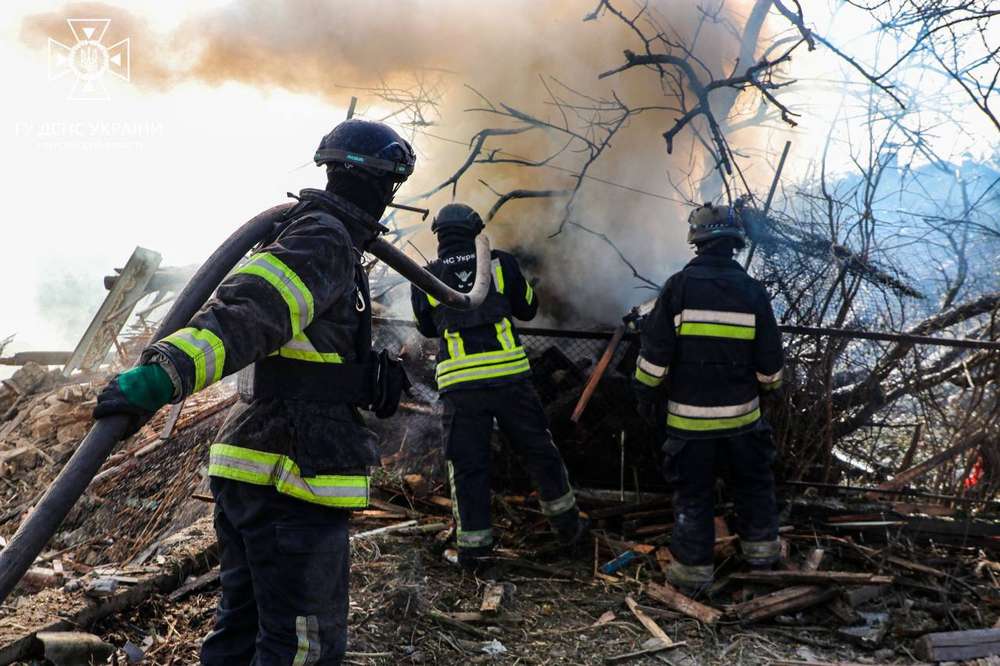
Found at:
[744, 461]
[468, 426]
[284, 572]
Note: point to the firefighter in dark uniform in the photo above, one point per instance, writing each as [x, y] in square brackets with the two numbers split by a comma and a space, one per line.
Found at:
[483, 374]
[292, 460]
[711, 350]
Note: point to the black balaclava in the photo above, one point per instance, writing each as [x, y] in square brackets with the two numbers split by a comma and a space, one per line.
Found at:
[720, 247]
[454, 240]
[368, 193]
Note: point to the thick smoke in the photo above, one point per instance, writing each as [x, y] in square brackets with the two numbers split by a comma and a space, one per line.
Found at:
[502, 49]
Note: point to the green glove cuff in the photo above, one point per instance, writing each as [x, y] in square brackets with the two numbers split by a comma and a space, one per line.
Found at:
[147, 386]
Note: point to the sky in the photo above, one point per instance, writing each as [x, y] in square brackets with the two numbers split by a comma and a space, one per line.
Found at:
[176, 170]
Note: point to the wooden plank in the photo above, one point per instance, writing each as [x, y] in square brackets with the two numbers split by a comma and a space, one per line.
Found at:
[648, 622]
[492, 599]
[959, 645]
[813, 577]
[200, 583]
[783, 601]
[673, 599]
[595, 376]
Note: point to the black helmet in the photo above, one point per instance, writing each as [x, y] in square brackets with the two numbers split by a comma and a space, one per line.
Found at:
[709, 222]
[373, 148]
[458, 216]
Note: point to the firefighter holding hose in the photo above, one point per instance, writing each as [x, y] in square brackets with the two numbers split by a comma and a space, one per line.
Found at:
[711, 349]
[483, 374]
[292, 459]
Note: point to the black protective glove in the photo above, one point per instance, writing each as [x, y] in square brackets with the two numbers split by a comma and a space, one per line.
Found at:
[137, 394]
[647, 401]
[390, 382]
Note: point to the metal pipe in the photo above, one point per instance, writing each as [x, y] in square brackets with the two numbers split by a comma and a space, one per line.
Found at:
[104, 435]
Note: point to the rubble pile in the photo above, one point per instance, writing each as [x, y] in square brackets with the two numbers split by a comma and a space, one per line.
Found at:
[885, 577]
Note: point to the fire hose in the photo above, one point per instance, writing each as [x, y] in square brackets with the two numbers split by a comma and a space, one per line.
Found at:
[43, 521]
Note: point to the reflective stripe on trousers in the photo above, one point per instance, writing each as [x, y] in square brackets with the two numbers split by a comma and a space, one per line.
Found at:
[465, 538]
[263, 468]
[558, 505]
[307, 632]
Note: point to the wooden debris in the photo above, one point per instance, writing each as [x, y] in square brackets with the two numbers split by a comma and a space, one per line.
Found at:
[389, 529]
[814, 577]
[493, 597]
[654, 646]
[648, 622]
[673, 599]
[860, 595]
[959, 645]
[449, 621]
[814, 560]
[905, 477]
[783, 601]
[202, 582]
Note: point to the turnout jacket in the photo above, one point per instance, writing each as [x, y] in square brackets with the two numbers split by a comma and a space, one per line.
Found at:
[299, 311]
[478, 347]
[712, 341]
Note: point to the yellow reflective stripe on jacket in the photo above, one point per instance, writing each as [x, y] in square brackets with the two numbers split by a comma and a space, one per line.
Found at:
[717, 331]
[480, 359]
[684, 423]
[498, 275]
[266, 469]
[484, 372]
[206, 351]
[716, 324]
[698, 418]
[649, 373]
[770, 382]
[456, 346]
[529, 293]
[300, 348]
[433, 301]
[505, 334]
[293, 290]
[646, 378]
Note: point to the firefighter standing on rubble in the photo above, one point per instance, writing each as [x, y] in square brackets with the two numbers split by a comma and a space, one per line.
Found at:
[711, 349]
[292, 459]
[483, 374]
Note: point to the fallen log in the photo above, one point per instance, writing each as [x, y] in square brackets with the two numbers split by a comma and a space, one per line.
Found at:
[673, 599]
[813, 577]
[959, 645]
